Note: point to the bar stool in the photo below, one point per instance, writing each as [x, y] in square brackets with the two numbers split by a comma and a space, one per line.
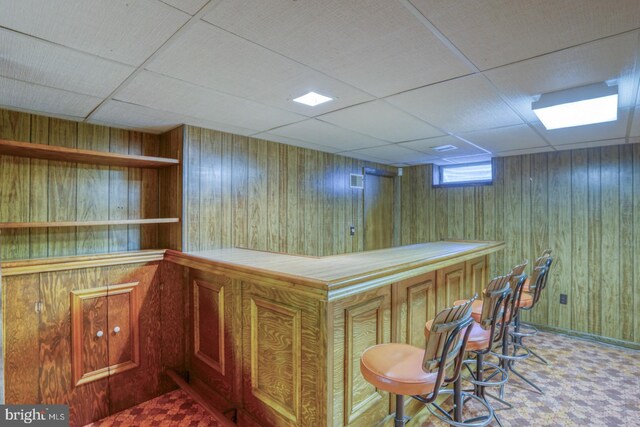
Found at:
[528, 302]
[485, 335]
[405, 370]
[532, 296]
[516, 279]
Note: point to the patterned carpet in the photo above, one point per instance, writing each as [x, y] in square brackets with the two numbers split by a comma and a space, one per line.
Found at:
[586, 384]
[172, 409]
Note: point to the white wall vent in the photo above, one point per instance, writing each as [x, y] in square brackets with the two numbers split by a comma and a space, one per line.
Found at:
[357, 181]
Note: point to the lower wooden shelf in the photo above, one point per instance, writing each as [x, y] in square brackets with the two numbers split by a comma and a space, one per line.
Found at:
[87, 223]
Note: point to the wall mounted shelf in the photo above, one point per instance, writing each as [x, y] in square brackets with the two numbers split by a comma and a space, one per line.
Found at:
[51, 152]
[87, 223]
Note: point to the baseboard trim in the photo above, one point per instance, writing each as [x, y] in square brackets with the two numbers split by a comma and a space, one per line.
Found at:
[588, 337]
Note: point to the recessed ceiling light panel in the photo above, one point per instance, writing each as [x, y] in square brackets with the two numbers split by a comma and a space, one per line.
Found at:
[312, 99]
[442, 148]
[597, 103]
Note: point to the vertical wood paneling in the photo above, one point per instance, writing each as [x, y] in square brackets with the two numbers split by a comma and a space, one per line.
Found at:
[582, 204]
[62, 190]
[595, 236]
[580, 245]
[257, 195]
[610, 255]
[626, 243]
[93, 191]
[118, 191]
[38, 201]
[559, 239]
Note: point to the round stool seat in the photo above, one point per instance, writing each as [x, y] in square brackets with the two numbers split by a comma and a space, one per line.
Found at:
[478, 338]
[397, 368]
[476, 308]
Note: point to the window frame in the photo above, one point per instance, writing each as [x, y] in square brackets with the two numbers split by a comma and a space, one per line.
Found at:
[438, 172]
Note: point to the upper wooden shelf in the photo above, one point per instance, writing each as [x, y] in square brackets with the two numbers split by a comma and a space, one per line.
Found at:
[52, 152]
[87, 223]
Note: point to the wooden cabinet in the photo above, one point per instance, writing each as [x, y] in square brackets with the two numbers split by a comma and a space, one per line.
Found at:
[105, 337]
[54, 356]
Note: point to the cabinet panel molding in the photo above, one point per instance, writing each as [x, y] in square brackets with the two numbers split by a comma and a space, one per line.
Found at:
[209, 323]
[276, 356]
[98, 348]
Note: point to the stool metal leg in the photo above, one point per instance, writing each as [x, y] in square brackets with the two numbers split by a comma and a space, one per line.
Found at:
[399, 418]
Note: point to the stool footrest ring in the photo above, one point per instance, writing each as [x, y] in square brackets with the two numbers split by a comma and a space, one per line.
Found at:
[443, 416]
[504, 375]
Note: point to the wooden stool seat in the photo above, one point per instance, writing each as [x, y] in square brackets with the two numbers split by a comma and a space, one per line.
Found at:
[397, 368]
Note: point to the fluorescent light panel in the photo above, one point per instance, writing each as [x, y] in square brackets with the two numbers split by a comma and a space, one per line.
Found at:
[597, 103]
[312, 99]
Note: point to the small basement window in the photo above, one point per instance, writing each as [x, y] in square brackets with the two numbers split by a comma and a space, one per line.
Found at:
[463, 174]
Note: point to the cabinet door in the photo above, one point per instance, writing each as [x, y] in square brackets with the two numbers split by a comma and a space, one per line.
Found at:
[124, 341]
[477, 276]
[90, 360]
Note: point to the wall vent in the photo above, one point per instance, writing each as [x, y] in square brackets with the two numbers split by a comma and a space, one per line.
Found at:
[357, 181]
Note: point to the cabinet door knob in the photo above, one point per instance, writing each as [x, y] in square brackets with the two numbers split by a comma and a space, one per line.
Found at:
[99, 334]
[116, 329]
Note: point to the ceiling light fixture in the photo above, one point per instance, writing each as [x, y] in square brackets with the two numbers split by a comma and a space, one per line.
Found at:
[442, 148]
[312, 99]
[585, 105]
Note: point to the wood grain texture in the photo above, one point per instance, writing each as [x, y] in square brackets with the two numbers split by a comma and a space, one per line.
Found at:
[21, 335]
[280, 356]
[583, 204]
[245, 192]
[87, 156]
[43, 190]
[216, 337]
[379, 197]
[361, 321]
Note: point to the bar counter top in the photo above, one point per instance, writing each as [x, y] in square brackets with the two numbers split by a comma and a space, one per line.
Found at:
[339, 271]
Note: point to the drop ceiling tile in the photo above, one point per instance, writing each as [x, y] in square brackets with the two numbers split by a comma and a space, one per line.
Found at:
[468, 159]
[609, 59]
[498, 32]
[506, 138]
[189, 6]
[375, 45]
[426, 146]
[167, 94]
[121, 30]
[295, 142]
[595, 132]
[382, 121]
[525, 151]
[591, 144]
[122, 114]
[321, 133]
[208, 56]
[394, 153]
[460, 105]
[362, 156]
[42, 99]
[36, 61]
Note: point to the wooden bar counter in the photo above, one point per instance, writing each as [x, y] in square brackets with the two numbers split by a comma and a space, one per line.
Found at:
[279, 336]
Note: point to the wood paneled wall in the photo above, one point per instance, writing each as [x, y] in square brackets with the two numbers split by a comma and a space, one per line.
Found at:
[42, 190]
[246, 192]
[583, 204]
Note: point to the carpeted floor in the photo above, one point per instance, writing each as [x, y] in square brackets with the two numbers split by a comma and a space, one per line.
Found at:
[586, 384]
[172, 409]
